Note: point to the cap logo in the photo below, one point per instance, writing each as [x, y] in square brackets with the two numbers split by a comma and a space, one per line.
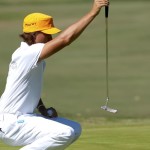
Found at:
[31, 24]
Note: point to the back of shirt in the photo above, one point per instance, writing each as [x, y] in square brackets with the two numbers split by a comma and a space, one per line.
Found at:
[24, 81]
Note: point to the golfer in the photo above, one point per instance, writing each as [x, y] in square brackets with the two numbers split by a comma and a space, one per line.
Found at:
[19, 126]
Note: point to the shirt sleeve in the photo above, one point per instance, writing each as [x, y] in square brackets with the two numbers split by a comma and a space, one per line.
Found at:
[31, 56]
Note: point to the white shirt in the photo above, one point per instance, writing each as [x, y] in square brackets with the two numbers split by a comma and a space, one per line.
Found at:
[24, 81]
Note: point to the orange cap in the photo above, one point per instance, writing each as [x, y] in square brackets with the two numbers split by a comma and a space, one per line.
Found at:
[39, 22]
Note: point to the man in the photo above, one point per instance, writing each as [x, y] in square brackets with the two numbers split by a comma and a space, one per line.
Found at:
[22, 94]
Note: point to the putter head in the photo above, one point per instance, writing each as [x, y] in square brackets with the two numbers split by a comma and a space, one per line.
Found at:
[109, 109]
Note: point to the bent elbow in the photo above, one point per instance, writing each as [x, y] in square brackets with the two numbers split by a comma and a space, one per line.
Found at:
[67, 40]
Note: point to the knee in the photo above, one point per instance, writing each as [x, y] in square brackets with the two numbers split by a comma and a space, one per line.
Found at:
[75, 132]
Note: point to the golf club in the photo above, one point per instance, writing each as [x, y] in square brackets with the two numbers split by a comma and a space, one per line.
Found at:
[105, 107]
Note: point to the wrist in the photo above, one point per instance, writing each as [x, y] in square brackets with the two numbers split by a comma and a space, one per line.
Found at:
[95, 11]
[42, 109]
[40, 106]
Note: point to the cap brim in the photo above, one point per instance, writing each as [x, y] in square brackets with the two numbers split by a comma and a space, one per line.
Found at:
[51, 31]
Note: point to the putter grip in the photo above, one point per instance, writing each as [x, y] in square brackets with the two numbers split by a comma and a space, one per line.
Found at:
[106, 11]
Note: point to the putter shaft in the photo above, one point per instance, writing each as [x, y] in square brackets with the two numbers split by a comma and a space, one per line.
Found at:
[107, 67]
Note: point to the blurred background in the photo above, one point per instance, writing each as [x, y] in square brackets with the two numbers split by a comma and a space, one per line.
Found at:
[74, 81]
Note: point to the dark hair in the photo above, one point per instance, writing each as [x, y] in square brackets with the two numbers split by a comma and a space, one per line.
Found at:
[29, 38]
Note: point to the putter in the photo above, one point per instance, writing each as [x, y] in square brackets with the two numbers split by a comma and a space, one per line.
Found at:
[105, 107]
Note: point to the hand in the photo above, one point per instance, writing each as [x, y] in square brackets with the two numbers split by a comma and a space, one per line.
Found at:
[98, 4]
[51, 112]
[48, 112]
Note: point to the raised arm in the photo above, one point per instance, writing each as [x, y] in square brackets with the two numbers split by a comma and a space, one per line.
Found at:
[73, 31]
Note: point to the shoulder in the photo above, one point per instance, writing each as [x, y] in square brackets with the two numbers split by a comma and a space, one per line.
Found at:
[37, 45]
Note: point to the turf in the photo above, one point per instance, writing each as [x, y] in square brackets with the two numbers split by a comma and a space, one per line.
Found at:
[74, 80]
[115, 136]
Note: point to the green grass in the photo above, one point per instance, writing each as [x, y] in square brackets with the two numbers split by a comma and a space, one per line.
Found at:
[115, 136]
[74, 80]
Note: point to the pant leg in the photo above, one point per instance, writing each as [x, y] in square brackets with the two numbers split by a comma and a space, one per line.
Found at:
[76, 126]
[39, 133]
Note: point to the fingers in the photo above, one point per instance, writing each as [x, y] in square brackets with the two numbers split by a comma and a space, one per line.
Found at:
[101, 3]
[107, 2]
[98, 4]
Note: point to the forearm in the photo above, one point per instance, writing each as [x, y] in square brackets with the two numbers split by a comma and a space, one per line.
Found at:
[75, 30]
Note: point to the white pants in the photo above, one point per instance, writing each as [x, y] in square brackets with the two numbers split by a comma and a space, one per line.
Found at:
[37, 133]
